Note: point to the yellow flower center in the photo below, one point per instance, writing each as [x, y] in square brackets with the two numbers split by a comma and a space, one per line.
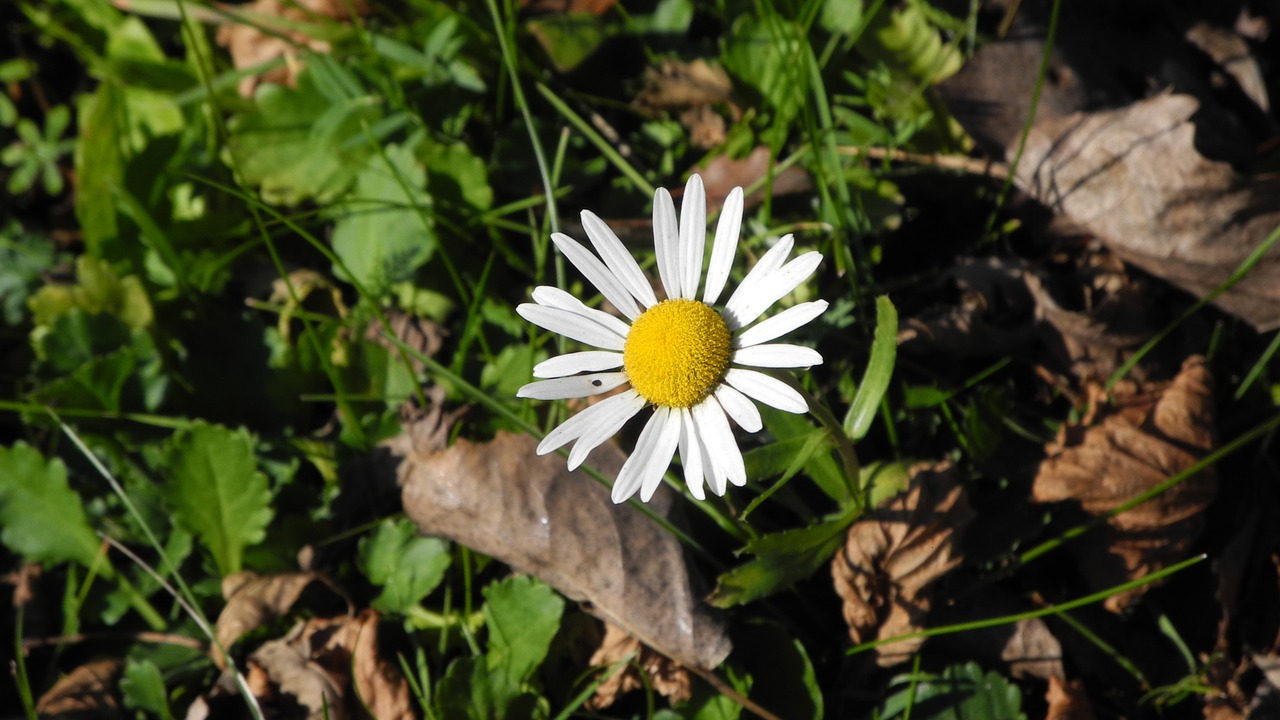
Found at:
[676, 353]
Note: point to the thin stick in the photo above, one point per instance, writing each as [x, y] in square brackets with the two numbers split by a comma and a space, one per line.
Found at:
[144, 636]
[975, 166]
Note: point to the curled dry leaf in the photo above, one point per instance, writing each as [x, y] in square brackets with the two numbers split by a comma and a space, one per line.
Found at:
[86, 692]
[1067, 700]
[254, 601]
[250, 46]
[530, 512]
[1141, 441]
[1134, 178]
[333, 669]
[893, 554]
[420, 334]
[666, 676]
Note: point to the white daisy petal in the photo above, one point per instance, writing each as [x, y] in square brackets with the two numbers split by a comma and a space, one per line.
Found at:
[666, 242]
[777, 355]
[693, 235]
[655, 439]
[770, 391]
[577, 386]
[574, 363]
[548, 296]
[597, 274]
[780, 324]
[740, 408]
[615, 255]
[713, 429]
[664, 450]
[576, 426]
[572, 325]
[764, 267]
[691, 455]
[776, 286]
[605, 425]
[714, 480]
[724, 247]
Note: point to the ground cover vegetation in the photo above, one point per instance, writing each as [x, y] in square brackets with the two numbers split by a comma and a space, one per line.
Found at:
[265, 274]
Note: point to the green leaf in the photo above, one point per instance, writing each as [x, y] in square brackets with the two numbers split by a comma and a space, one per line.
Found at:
[768, 574]
[99, 164]
[840, 16]
[42, 516]
[457, 176]
[217, 492]
[406, 565]
[794, 431]
[961, 692]
[568, 39]
[763, 54]
[143, 689]
[294, 143]
[522, 615]
[384, 233]
[875, 379]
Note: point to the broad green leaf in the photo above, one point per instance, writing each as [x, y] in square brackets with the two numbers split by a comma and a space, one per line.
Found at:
[384, 232]
[294, 143]
[457, 176]
[521, 615]
[801, 539]
[961, 692]
[841, 16]
[875, 379]
[882, 480]
[42, 516]
[217, 492]
[143, 689]
[406, 565]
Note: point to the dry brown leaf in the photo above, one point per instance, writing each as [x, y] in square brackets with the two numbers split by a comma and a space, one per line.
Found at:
[420, 334]
[1137, 443]
[249, 46]
[1067, 700]
[22, 581]
[693, 89]
[502, 499]
[991, 313]
[666, 676]
[1134, 178]
[332, 668]
[86, 692]
[894, 553]
[723, 174]
[254, 601]
[1094, 315]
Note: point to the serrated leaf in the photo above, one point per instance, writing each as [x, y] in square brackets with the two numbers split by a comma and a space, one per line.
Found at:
[406, 565]
[763, 54]
[521, 615]
[42, 516]
[24, 256]
[568, 39]
[768, 574]
[217, 492]
[384, 231]
[784, 676]
[875, 379]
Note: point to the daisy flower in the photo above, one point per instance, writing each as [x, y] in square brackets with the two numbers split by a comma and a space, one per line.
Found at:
[688, 359]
